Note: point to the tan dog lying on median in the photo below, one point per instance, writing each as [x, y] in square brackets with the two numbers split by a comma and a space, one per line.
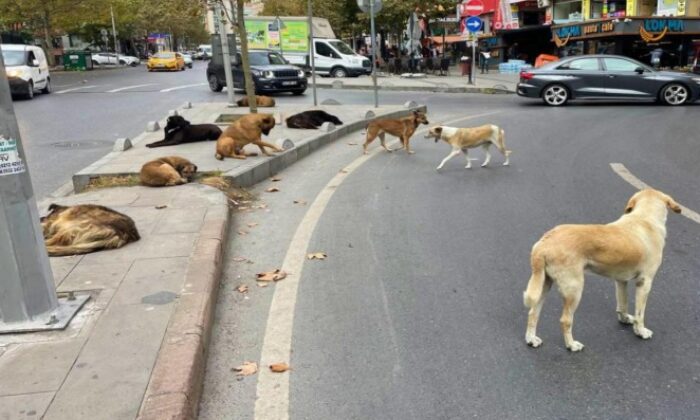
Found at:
[261, 101]
[463, 139]
[167, 171]
[629, 249]
[248, 129]
[403, 128]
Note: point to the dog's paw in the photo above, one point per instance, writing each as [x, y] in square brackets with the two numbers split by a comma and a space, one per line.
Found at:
[533, 341]
[643, 333]
[575, 346]
[626, 319]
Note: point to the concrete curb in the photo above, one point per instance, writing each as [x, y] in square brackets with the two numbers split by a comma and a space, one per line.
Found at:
[435, 89]
[176, 381]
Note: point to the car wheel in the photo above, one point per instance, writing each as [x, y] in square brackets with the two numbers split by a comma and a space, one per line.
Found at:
[29, 94]
[339, 72]
[555, 95]
[675, 94]
[47, 88]
[214, 84]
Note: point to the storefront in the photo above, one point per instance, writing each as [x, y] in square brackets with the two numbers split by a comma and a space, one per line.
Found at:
[645, 39]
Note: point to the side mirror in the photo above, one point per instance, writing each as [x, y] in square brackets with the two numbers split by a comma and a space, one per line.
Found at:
[639, 70]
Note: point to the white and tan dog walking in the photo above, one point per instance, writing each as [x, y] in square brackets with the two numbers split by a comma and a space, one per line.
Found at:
[463, 139]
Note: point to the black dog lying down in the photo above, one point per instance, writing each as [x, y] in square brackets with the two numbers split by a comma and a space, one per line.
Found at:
[179, 130]
[311, 119]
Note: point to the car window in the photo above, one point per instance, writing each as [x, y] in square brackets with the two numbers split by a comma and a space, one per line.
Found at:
[13, 58]
[323, 49]
[581, 64]
[618, 64]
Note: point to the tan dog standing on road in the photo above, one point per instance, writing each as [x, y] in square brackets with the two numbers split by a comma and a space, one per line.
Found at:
[628, 249]
[248, 129]
[403, 128]
[167, 171]
[463, 139]
[261, 101]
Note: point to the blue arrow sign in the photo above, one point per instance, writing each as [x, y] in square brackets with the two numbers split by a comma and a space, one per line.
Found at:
[473, 24]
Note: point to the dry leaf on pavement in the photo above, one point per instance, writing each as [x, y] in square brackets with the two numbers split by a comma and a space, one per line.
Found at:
[242, 289]
[275, 179]
[246, 369]
[279, 367]
[316, 256]
[272, 189]
[302, 202]
[276, 275]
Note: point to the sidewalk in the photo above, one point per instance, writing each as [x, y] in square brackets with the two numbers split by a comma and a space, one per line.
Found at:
[492, 82]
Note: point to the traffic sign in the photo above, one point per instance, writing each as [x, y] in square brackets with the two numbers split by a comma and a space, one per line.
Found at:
[473, 24]
[473, 8]
[364, 5]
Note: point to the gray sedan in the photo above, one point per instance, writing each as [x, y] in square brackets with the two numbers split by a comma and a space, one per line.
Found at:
[606, 77]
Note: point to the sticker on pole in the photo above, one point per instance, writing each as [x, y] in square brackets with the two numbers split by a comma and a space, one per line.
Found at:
[10, 161]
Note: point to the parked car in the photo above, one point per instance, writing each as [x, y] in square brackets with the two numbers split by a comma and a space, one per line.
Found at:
[188, 60]
[128, 60]
[271, 73]
[27, 69]
[171, 61]
[606, 77]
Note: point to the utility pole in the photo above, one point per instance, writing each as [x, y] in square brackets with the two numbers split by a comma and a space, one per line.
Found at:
[227, 57]
[28, 300]
[312, 52]
[114, 30]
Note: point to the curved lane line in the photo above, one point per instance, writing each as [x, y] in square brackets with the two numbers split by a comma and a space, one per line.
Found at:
[625, 174]
[182, 87]
[77, 88]
[129, 87]
[272, 402]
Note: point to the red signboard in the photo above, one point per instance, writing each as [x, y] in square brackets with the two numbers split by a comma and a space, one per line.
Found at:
[472, 8]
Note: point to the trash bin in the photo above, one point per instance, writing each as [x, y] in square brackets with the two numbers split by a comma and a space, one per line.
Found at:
[77, 60]
[466, 65]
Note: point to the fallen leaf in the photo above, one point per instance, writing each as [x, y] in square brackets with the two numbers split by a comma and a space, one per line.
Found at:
[302, 202]
[275, 179]
[242, 232]
[276, 275]
[252, 225]
[279, 367]
[240, 259]
[246, 369]
[352, 144]
[272, 189]
[316, 256]
[161, 207]
[242, 289]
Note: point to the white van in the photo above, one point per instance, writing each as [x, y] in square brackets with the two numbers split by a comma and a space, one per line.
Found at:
[27, 69]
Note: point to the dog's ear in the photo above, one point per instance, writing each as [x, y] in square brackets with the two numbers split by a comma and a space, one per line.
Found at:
[671, 204]
[631, 204]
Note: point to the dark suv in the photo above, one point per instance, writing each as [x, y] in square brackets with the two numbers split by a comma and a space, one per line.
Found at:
[271, 73]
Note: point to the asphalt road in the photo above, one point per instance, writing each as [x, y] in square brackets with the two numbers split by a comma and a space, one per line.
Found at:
[417, 312]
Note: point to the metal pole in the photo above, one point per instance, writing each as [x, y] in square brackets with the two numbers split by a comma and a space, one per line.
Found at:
[227, 57]
[312, 52]
[28, 299]
[374, 53]
[114, 30]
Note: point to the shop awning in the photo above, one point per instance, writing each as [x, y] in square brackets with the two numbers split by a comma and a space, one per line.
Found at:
[449, 39]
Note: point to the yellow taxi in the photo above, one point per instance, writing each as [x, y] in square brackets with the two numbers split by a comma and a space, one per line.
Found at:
[169, 61]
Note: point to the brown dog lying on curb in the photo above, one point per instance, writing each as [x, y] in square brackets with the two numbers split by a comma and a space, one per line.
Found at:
[167, 171]
[627, 250]
[462, 139]
[86, 228]
[247, 129]
[261, 101]
[403, 128]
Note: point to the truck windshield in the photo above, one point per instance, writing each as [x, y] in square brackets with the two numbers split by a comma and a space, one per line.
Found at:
[342, 47]
[13, 58]
[265, 59]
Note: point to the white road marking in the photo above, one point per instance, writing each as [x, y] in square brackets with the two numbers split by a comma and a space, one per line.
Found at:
[182, 87]
[77, 88]
[272, 401]
[625, 174]
[129, 87]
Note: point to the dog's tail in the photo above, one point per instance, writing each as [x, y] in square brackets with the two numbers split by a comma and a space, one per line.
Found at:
[533, 293]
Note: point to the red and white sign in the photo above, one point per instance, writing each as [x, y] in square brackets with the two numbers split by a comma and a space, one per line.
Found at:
[472, 8]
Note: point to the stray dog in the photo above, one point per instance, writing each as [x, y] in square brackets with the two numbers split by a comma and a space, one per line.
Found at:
[167, 171]
[86, 228]
[628, 249]
[261, 101]
[312, 119]
[462, 139]
[247, 129]
[179, 130]
[403, 128]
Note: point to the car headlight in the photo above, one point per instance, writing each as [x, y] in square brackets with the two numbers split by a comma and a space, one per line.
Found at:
[268, 74]
[301, 73]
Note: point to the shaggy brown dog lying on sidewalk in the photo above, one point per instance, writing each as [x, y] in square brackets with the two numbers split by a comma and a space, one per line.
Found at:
[179, 130]
[167, 171]
[312, 119]
[86, 228]
[262, 101]
[248, 129]
[403, 128]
